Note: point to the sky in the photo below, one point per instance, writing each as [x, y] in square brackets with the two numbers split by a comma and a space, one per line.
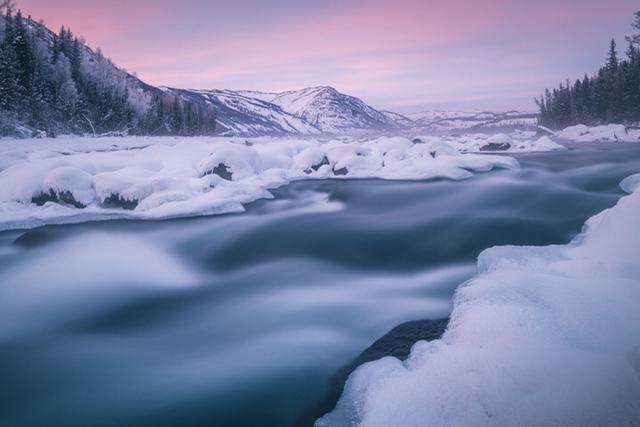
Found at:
[400, 55]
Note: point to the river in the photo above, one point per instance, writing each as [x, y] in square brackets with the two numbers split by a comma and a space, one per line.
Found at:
[243, 320]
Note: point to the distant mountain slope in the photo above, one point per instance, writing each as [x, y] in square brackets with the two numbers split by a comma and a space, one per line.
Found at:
[240, 114]
[324, 110]
[311, 111]
[442, 121]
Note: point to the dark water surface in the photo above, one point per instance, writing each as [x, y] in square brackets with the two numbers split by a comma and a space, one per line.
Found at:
[243, 320]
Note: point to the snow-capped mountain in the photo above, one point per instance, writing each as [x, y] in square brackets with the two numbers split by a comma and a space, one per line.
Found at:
[239, 114]
[324, 110]
[310, 111]
[332, 111]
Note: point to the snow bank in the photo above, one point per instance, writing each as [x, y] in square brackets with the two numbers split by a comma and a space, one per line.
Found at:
[518, 142]
[542, 336]
[76, 179]
[615, 133]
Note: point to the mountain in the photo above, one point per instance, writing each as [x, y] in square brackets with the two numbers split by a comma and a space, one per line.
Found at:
[247, 113]
[331, 111]
[453, 121]
[53, 84]
[324, 110]
[310, 111]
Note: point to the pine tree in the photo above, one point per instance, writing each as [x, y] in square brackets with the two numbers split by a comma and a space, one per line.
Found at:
[635, 38]
[612, 58]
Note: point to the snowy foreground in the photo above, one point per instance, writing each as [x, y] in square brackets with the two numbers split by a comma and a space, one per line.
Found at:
[79, 179]
[542, 336]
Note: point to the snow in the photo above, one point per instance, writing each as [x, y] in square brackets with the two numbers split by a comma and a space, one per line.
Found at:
[71, 179]
[447, 121]
[517, 142]
[613, 132]
[541, 336]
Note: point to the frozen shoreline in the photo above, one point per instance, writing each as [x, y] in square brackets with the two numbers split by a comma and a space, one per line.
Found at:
[541, 336]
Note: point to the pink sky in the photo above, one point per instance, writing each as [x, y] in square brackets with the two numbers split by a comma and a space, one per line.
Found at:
[404, 55]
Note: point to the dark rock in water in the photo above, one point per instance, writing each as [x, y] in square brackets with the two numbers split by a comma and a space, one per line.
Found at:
[116, 200]
[399, 340]
[60, 197]
[433, 154]
[341, 171]
[418, 141]
[324, 162]
[396, 343]
[496, 146]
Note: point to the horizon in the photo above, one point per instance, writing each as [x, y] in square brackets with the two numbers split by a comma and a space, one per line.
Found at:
[493, 60]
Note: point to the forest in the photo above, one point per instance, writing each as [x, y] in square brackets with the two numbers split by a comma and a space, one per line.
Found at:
[54, 84]
[611, 95]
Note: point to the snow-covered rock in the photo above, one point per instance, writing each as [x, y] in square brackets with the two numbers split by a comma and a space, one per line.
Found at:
[542, 336]
[604, 133]
[76, 179]
[519, 142]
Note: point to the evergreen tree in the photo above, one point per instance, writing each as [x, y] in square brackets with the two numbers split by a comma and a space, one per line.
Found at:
[612, 58]
[635, 38]
[612, 95]
[55, 83]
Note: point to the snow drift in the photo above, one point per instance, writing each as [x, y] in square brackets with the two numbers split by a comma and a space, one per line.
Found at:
[542, 336]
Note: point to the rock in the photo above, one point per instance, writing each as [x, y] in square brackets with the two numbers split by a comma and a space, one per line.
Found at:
[418, 141]
[60, 197]
[317, 166]
[223, 172]
[396, 343]
[341, 171]
[496, 146]
[117, 201]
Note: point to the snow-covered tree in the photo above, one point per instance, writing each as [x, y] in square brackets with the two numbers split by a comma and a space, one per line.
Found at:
[55, 83]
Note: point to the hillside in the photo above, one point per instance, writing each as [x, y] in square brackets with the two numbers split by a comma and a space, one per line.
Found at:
[53, 84]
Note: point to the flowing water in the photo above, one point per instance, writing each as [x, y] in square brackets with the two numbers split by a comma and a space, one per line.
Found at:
[242, 320]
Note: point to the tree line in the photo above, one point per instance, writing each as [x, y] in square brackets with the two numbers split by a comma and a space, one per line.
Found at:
[52, 84]
[612, 95]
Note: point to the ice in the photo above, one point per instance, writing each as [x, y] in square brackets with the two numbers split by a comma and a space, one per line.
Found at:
[541, 336]
[630, 183]
[613, 132]
[70, 179]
